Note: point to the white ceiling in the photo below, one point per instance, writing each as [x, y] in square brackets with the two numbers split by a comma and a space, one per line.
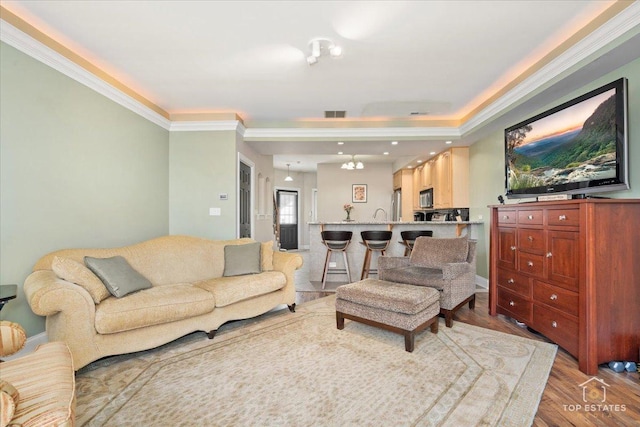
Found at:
[442, 58]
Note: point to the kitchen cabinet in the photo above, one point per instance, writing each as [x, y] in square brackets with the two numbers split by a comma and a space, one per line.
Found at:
[397, 180]
[403, 181]
[450, 178]
[417, 179]
[427, 175]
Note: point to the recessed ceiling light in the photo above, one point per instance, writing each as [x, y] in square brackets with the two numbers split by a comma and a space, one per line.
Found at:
[340, 143]
[432, 153]
[386, 153]
[394, 142]
[340, 152]
[448, 142]
[409, 167]
[419, 161]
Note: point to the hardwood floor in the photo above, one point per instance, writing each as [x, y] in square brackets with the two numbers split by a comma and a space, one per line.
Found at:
[562, 402]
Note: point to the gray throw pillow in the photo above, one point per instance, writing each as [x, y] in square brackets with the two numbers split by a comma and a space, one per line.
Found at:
[242, 259]
[117, 275]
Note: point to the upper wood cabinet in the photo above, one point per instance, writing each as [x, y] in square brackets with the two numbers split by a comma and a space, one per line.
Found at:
[403, 181]
[450, 178]
[417, 182]
[427, 175]
[397, 180]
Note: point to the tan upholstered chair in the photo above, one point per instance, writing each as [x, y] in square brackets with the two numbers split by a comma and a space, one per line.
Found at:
[37, 389]
[446, 264]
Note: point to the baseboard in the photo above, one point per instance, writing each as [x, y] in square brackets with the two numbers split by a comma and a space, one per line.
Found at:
[30, 345]
[482, 282]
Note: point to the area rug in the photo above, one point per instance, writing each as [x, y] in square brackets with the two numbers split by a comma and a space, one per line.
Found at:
[298, 369]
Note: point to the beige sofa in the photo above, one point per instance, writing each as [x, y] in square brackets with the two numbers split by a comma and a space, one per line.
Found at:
[188, 293]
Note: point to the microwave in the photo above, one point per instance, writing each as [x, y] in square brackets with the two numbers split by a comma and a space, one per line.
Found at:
[426, 198]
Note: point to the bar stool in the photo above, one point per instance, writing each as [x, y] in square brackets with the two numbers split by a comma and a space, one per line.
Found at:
[409, 237]
[375, 241]
[336, 241]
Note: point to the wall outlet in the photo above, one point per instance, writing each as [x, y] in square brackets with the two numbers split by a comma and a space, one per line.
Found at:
[479, 217]
[215, 211]
[332, 265]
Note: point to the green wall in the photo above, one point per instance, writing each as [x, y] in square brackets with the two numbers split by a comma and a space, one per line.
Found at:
[487, 157]
[77, 170]
[203, 164]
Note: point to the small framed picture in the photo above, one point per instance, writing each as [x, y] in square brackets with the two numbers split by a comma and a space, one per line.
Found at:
[359, 193]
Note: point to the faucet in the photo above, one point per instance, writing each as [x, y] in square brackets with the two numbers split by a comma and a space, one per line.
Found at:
[383, 211]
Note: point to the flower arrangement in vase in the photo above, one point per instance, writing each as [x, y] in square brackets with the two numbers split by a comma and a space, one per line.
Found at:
[348, 207]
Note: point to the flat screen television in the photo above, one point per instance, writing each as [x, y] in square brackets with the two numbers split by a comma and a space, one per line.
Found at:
[578, 147]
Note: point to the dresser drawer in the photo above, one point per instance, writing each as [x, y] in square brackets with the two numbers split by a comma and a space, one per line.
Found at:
[563, 217]
[532, 264]
[558, 298]
[531, 240]
[515, 306]
[558, 327]
[514, 282]
[530, 217]
[507, 216]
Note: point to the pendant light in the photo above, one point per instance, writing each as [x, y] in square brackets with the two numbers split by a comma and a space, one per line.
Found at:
[351, 165]
[288, 178]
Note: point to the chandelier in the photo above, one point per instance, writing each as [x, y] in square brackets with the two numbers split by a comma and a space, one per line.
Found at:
[351, 165]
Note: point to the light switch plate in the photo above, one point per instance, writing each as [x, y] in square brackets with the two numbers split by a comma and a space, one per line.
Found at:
[214, 211]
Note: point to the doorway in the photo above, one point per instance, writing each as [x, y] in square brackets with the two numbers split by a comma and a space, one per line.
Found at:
[287, 218]
[244, 200]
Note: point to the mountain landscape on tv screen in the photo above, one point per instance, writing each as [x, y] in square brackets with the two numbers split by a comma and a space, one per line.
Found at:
[582, 154]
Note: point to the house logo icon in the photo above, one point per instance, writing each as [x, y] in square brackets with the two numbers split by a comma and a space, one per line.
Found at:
[594, 390]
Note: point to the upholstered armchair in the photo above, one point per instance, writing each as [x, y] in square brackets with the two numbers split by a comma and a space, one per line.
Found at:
[446, 264]
[37, 389]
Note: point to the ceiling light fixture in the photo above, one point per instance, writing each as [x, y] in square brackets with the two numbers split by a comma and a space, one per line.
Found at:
[288, 178]
[322, 46]
[351, 165]
[394, 142]
[448, 142]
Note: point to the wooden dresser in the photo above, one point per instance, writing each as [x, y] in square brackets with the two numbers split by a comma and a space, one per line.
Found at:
[571, 271]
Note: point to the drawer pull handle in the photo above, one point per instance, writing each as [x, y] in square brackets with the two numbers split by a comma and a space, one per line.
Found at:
[505, 216]
[553, 297]
[530, 217]
[530, 238]
[513, 248]
[562, 218]
[530, 263]
[549, 254]
[554, 324]
[511, 303]
[510, 281]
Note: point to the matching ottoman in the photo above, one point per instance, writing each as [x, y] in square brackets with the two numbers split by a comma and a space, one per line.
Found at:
[396, 307]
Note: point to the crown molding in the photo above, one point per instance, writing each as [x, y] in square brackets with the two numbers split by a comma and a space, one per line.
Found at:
[30, 46]
[391, 132]
[219, 125]
[611, 30]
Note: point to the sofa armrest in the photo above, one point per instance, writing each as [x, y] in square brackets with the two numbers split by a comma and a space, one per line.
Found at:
[453, 270]
[288, 263]
[47, 295]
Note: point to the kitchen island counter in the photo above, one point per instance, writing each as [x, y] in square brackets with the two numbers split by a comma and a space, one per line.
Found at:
[355, 251]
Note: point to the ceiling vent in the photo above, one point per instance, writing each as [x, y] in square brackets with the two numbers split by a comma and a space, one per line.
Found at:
[335, 114]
